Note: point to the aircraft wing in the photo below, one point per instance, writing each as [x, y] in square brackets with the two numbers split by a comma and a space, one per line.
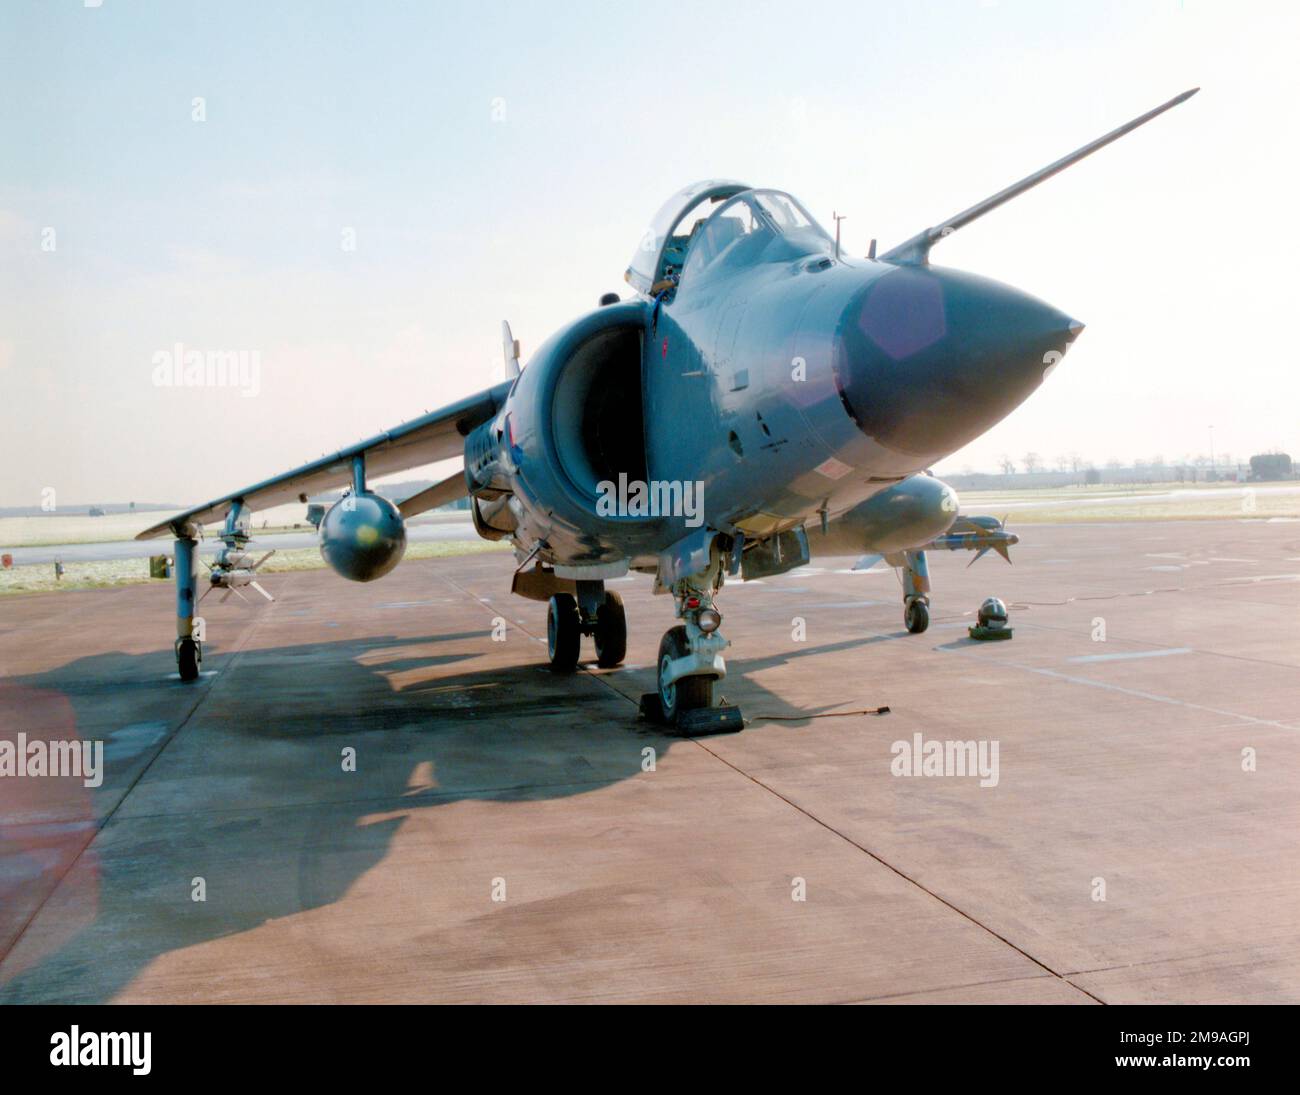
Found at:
[435, 436]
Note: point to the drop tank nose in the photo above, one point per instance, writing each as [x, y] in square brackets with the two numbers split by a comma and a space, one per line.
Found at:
[927, 359]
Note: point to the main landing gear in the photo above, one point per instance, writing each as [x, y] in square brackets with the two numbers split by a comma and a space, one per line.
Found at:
[593, 612]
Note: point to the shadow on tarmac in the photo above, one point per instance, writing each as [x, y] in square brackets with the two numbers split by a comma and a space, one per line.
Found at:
[258, 807]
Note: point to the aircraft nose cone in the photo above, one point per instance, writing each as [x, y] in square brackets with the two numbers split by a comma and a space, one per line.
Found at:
[927, 359]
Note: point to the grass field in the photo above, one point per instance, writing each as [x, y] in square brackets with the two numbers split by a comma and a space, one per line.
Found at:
[39, 578]
[1190, 503]
[1024, 507]
[50, 530]
[58, 528]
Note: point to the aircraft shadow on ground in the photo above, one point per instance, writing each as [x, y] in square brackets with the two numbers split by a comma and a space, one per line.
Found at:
[505, 733]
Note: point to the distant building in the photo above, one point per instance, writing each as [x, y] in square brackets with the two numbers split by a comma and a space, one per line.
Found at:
[1140, 473]
[1270, 465]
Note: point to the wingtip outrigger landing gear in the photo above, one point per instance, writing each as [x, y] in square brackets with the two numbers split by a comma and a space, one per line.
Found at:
[232, 569]
[189, 648]
[916, 592]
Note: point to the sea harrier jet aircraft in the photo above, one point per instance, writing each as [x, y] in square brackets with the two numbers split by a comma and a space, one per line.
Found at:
[761, 396]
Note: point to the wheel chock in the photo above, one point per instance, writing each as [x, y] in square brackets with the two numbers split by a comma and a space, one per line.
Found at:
[650, 709]
[986, 633]
[695, 723]
[709, 720]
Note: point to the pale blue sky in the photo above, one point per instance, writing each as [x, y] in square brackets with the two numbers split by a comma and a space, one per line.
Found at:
[1175, 246]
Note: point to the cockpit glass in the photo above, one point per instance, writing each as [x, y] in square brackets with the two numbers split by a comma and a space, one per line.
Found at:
[747, 221]
[785, 214]
[662, 249]
[735, 228]
[677, 245]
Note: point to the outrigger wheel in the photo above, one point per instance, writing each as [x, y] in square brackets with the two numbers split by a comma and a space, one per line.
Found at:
[686, 693]
[610, 632]
[188, 658]
[563, 632]
[916, 615]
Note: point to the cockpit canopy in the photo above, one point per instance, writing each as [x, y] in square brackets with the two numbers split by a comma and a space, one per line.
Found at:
[707, 223]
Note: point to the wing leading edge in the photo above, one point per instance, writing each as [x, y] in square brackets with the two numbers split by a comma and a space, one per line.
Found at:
[436, 436]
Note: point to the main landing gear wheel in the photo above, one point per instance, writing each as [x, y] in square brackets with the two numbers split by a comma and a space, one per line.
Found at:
[686, 693]
[188, 658]
[916, 615]
[563, 632]
[610, 632]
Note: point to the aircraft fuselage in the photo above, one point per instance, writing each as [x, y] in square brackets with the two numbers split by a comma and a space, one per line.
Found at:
[800, 384]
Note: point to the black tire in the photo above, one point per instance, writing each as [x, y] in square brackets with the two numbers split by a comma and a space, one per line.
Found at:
[611, 632]
[688, 693]
[188, 659]
[563, 632]
[916, 616]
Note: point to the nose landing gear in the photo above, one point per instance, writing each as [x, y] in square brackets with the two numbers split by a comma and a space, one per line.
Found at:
[691, 663]
[678, 693]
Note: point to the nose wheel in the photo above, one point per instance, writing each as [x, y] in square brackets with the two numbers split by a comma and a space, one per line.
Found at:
[690, 662]
[685, 693]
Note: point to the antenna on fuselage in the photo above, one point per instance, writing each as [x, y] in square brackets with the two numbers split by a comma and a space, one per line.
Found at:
[837, 217]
